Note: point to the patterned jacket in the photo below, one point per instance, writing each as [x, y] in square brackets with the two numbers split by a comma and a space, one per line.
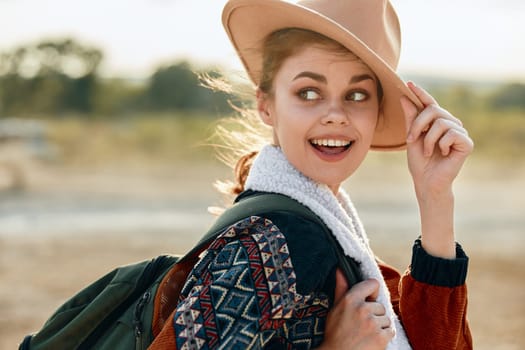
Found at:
[269, 282]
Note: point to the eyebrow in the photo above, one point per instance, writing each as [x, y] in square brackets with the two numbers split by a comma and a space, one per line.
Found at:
[322, 79]
[358, 78]
[315, 76]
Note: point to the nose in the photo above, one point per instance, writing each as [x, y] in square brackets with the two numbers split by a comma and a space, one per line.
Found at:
[335, 114]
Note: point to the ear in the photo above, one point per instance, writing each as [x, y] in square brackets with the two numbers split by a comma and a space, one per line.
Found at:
[263, 104]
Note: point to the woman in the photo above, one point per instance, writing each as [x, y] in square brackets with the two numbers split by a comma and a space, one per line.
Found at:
[326, 86]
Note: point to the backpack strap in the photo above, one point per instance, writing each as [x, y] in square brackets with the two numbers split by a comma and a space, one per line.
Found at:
[256, 204]
[261, 203]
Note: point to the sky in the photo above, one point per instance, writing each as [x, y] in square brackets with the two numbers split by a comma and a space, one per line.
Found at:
[461, 39]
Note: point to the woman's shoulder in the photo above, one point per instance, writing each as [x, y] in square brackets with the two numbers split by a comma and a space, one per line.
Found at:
[311, 253]
[305, 235]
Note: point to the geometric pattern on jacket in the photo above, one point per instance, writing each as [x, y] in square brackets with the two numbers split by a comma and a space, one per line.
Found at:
[242, 295]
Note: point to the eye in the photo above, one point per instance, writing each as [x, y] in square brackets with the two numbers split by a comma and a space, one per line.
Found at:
[357, 96]
[309, 95]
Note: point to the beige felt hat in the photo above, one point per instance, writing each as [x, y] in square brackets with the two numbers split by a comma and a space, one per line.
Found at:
[368, 28]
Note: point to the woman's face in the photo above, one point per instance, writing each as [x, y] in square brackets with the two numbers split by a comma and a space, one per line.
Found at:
[323, 109]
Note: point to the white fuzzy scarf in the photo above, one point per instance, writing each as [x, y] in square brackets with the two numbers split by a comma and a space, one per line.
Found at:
[271, 172]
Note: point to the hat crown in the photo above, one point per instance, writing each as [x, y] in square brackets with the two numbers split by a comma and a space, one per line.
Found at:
[374, 22]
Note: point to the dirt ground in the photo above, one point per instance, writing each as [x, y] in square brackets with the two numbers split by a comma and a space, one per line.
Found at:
[39, 271]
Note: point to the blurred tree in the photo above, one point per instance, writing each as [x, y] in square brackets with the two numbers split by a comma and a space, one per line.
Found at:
[49, 77]
[508, 96]
[172, 87]
[178, 87]
[63, 57]
[119, 96]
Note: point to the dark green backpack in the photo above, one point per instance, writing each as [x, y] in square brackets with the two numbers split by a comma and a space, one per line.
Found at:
[117, 311]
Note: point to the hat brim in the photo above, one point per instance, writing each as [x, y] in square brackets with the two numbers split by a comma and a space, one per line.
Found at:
[248, 22]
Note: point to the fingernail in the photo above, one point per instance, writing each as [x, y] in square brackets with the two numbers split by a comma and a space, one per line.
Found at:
[410, 138]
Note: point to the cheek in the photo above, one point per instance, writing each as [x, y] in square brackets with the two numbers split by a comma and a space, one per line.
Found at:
[286, 118]
[367, 121]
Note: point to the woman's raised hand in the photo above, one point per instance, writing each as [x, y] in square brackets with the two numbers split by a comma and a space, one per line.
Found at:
[438, 144]
[437, 147]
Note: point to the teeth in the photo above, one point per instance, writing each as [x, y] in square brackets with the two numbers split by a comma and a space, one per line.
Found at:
[330, 142]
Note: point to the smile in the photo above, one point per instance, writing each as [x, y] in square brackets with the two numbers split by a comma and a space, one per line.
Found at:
[331, 146]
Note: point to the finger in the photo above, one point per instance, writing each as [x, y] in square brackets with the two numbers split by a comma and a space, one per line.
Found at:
[421, 94]
[376, 309]
[388, 333]
[438, 129]
[383, 322]
[410, 111]
[385, 330]
[455, 139]
[427, 117]
[341, 285]
[367, 290]
[434, 111]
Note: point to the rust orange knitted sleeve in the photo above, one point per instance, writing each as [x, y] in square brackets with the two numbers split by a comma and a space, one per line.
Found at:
[434, 317]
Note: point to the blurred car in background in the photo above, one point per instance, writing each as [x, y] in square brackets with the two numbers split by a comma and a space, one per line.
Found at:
[23, 142]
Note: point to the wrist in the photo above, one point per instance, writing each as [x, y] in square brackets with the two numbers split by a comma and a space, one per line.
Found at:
[437, 223]
[426, 196]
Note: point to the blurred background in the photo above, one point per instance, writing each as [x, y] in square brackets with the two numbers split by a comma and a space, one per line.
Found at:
[106, 156]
